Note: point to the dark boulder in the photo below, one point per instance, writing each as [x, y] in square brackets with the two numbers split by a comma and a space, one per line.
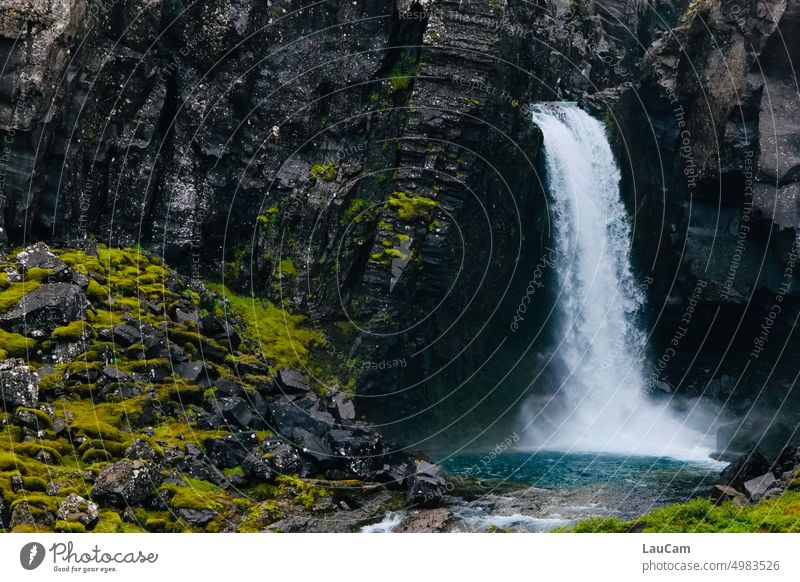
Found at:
[744, 468]
[426, 485]
[141, 450]
[312, 446]
[284, 457]
[234, 410]
[4, 515]
[231, 450]
[30, 419]
[189, 316]
[360, 451]
[394, 474]
[123, 335]
[757, 487]
[126, 483]
[291, 381]
[45, 308]
[258, 468]
[114, 374]
[200, 372]
[226, 388]
[19, 386]
[220, 330]
[342, 407]
[290, 412]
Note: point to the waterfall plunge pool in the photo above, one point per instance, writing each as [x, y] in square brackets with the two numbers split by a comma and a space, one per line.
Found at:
[544, 490]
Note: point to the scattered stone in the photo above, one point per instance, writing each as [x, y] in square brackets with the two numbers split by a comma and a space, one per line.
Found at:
[426, 485]
[234, 410]
[292, 381]
[126, 483]
[744, 468]
[226, 388]
[426, 521]
[45, 308]
[756, 488]
[19, 386]
[725, 493]
[343, 407]
[141, 450]
[199, 517]
[115, 374]
[200, 372]
[76, 508]
[40, 256]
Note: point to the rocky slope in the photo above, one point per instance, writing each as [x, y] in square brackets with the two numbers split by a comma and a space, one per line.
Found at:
[133, 398]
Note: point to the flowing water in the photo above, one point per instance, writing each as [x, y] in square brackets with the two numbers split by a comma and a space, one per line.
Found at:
[599, 446]
[600, 404]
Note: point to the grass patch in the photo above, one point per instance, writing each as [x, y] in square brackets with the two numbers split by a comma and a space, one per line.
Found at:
[780, 514]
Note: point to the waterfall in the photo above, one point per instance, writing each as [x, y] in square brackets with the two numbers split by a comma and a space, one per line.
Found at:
[600, 404]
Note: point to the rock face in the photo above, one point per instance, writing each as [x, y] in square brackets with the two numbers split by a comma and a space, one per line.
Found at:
[395, 194]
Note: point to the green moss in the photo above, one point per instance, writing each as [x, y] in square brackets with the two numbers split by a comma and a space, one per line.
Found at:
[156, 524]
[233, 472]
[102, 420]
[110, 522]
[42, 418]
[196, 494]
[325, 172]
[14, 344]
[69, 527]
[280, 335]
[412, 207]
[286, 267]
[302, 492]
[71, 332]
[10, 296]
[38, 274]
[602, 525]
[95, 290]
[354, 212]
[259, 517]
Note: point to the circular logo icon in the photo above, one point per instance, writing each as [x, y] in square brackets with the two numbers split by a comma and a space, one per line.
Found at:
[31, 555]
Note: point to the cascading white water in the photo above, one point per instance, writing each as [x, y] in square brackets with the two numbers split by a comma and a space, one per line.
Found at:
[602, 406]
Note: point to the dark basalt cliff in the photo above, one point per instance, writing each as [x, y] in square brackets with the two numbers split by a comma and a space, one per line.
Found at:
[371, 164]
